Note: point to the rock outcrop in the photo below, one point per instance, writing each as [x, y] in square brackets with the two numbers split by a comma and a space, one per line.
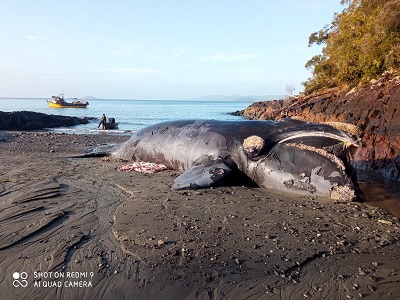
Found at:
[374, 108]
[28, 120]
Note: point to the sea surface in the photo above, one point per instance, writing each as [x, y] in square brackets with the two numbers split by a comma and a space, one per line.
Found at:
[131, 115]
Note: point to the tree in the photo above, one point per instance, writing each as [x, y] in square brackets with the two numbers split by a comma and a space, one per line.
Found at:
[362, 42]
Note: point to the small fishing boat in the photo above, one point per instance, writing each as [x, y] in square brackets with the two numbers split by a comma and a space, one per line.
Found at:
[109, 125]
[59, 102]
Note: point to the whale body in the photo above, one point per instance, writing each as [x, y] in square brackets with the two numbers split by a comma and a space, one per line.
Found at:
[288, 155]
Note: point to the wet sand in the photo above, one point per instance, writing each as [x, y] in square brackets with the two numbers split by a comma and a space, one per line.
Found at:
[75, 228]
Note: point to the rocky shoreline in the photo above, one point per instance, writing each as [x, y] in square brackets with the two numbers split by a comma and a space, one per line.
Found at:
[374, 108]
[29, 120]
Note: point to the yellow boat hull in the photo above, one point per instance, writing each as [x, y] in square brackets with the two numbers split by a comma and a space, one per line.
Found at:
[66, 105]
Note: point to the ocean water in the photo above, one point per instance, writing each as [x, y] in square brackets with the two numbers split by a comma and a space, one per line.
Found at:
[131, 115]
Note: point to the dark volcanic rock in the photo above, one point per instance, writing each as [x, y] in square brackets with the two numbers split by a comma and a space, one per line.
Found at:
[374, 108]
[28, 120]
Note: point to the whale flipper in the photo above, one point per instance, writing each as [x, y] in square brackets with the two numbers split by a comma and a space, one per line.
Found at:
[208, 173]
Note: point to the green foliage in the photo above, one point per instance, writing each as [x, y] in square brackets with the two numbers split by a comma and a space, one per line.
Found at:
[319, 37]
[362, 42]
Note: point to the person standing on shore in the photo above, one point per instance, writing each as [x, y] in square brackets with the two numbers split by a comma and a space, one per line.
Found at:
[102, 122]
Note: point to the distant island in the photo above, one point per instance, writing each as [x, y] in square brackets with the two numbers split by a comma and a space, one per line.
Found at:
[89, 98]
[236, 97]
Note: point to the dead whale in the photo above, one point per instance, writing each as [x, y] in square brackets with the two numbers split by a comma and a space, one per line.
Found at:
[288, 155]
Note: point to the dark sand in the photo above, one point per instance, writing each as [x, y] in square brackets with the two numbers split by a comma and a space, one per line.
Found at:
[125, 235]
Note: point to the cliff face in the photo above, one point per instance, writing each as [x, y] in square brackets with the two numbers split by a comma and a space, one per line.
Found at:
[374, 108]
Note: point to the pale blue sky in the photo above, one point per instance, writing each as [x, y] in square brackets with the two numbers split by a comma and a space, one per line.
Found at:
[157, 49]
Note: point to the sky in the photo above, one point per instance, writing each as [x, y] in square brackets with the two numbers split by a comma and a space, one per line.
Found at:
[170, 49]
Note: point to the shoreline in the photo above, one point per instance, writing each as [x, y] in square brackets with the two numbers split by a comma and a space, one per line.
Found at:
[143, 241]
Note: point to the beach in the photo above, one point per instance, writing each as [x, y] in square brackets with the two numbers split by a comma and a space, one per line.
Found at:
[76, 228]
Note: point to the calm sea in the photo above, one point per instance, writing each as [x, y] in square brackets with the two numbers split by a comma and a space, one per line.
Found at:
[131, 115]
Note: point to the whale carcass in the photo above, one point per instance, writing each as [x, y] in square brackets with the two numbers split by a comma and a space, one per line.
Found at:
[288, 155]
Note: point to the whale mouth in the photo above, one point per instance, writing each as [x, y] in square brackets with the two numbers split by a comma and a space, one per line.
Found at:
[321, 134]
[322, 152]
[334, 144]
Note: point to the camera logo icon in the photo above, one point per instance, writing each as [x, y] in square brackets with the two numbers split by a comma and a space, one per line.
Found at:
[20, 279]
